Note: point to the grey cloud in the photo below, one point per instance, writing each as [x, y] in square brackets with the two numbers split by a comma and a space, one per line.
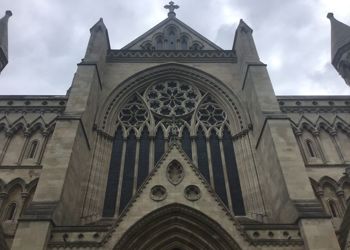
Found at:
[48, 38]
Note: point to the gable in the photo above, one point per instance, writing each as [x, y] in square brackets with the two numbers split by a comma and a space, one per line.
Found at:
[171, 34]
[178, 188]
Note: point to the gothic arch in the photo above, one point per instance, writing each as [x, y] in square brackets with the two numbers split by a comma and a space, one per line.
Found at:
[16, 182]
[176, 225]
[221, 93]
[328, 180]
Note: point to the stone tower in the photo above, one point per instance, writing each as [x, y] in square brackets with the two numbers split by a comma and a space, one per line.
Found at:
[172, 142]
[4, 40]
[340, 47]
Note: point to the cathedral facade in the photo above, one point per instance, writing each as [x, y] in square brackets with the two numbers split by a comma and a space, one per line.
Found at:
[173, 143]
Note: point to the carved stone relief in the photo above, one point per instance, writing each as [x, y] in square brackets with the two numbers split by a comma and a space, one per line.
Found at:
[192, 193]
[175, 173]
[158, 193]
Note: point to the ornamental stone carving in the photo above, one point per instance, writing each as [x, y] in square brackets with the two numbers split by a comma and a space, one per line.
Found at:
[175, 173]
[172, 98]
[134, 113]
[210, 114]
[158, 193]
[192, 193]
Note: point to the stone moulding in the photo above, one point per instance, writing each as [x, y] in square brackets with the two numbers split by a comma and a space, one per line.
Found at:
[227, 56]
[310, 209]
[39, 211]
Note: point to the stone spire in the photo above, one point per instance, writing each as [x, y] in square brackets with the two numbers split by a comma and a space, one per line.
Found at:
[340, 47]
[4, 40]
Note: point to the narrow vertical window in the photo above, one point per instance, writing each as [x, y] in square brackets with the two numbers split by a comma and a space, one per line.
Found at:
[10, 212]
[232, 174]
[218, 173]
[159, 145]
[159, 43]
[186, 142]
[172, 38]
[333, 208]
[143, 157]
[113, 175]
[184, 43]
[128, 177]
[202, 154]
[32, 149]
[310, 148]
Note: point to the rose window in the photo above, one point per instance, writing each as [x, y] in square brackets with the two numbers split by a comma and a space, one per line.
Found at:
[172, 98]
[133, 113]
[210, 113]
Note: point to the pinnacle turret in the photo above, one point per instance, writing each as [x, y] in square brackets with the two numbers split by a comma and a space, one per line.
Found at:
[4, 40]
[340, 47]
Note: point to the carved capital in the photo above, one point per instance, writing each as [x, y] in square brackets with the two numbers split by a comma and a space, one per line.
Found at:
[333, 132]
[3, 196]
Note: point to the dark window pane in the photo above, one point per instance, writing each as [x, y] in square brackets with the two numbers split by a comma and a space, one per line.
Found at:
[159, 145]
[232, 173]
[202, 154]
[143, 157]
[218, 172]
[113, 175]
[128, 177]
[186, 142]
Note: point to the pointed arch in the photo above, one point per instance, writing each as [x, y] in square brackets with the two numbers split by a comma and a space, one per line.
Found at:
[18, 182]
[328, 180]
[220, 92]
[176, 225]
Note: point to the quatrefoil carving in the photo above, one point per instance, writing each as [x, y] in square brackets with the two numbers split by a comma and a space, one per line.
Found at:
[175, 172]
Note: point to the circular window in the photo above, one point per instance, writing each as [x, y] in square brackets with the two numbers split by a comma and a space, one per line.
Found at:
[158, 193]
[172, 98]
[192, 193]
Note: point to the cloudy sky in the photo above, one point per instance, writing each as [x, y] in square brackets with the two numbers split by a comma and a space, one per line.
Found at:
[49, 37]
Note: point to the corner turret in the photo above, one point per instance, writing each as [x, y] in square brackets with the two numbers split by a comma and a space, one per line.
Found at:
[98, 44]
[4, 40]
[340, 47]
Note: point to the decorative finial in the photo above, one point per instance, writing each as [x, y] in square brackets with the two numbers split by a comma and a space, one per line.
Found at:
[330, 15]
[171, 7]
[8, 13]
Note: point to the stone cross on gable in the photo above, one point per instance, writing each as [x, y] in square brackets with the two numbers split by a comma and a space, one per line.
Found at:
[171, 7]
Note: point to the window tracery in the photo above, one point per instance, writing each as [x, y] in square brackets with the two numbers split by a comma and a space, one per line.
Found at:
[133, 113]
[173, 111]
[172, 98]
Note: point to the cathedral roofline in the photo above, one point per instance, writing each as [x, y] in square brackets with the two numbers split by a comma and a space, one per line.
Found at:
[163, 23]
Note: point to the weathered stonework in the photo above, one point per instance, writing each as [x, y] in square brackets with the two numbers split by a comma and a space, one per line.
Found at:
[173, 143]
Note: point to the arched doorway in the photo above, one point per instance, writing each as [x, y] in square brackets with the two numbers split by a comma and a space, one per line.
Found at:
[176, 227]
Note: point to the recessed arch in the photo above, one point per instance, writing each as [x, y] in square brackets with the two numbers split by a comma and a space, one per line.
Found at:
[176, 225]
[221, 93]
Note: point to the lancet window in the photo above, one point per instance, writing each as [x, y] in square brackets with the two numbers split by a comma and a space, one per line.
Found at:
[172, 111]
